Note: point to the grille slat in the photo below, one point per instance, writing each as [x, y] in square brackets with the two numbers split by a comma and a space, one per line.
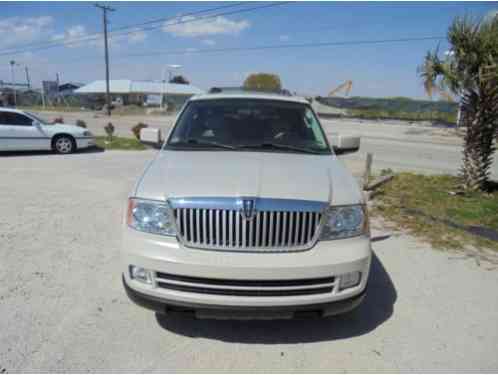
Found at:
[246, 293]
[291, 227]
[298, 227]
[227, 229]
[258, 222]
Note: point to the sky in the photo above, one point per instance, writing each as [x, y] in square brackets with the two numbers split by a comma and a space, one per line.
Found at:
[377, 70]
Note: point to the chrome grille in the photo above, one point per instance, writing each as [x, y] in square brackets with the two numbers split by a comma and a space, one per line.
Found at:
[279, 225]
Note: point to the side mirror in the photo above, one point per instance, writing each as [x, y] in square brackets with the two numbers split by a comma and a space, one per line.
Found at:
[151, 136]
[36, 124]
[344, 144]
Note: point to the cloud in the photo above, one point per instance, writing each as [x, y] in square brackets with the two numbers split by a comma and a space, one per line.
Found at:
[190, 26]
[209, 42]
[137, 36]
[284, 38]
[16, 30]
[77, 36]
[72, 36]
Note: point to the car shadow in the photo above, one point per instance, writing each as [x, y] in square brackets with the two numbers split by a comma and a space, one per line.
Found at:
[90, 150]
[376, 308]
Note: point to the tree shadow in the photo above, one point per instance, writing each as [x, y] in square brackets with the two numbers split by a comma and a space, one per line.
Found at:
[376, 308]
[89, 150]
[491, 186]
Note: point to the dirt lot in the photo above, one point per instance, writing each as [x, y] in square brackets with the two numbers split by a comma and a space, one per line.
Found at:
[63, 308]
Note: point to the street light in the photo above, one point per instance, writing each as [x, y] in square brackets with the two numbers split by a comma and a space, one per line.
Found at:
[169, 68]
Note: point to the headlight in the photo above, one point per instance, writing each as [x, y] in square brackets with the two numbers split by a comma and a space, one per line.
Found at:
[151, 216]
[343, 222]
[87, 133]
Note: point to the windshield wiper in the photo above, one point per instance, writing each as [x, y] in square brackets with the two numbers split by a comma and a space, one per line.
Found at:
[280, 146]
[203, 143]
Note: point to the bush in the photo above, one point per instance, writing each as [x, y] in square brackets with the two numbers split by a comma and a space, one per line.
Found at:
[81, 124]
[58, 120]
[263, 82]
[137, 128]
[109, 130]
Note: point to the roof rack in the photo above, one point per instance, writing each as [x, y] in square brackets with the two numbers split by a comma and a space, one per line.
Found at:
[218, 90]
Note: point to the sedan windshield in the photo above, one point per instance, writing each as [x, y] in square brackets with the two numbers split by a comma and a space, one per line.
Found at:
[249, 124]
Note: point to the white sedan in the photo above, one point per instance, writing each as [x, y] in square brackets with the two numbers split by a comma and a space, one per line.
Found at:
[23, 131]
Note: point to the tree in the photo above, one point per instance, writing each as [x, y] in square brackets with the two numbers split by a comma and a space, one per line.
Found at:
[470, 71]
[180, 80]
[263, 82]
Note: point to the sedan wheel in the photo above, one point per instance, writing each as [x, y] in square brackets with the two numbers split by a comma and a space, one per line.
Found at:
[64, 145]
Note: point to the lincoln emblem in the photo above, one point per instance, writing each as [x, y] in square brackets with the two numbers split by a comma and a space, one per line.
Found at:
[248, 210]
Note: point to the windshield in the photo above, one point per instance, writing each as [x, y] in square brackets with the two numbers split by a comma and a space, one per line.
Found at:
[249, 124]
[38, 118]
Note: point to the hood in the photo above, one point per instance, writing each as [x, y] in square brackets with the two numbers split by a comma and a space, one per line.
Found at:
[63, 128]
[248, 174]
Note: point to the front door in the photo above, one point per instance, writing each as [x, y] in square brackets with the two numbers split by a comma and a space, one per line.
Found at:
[17, 133]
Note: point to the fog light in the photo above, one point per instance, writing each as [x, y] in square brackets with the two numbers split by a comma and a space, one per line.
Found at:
[140, 274]
[349, 280]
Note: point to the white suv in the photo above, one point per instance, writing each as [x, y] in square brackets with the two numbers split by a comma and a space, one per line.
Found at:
[246, 212]
[23, 131]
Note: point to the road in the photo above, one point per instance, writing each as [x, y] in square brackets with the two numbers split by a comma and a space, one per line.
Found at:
[395, 144]
[63, 308]
[404, 147]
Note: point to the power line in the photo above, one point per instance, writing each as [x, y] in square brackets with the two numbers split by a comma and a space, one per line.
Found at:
[182, 15]
[268, 47]
[135, 29]
[284, 46]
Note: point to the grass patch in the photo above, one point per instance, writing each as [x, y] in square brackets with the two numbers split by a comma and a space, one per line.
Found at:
[429, 195]
[119, 143]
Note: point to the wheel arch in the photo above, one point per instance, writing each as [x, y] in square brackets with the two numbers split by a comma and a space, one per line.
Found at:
[58, 135]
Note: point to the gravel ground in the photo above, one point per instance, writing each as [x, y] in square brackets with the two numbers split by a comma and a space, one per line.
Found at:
[63, 308]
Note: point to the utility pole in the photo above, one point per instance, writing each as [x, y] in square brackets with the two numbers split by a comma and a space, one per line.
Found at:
[106, 9]
[28, 81]
[43, 95]
[12, 63]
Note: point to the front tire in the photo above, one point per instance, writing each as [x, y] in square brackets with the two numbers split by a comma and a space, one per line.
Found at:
[64, 144]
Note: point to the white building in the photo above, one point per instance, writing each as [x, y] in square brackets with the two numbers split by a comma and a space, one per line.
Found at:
[136, 92]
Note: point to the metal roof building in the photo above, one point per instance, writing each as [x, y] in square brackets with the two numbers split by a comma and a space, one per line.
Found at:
[126, 86]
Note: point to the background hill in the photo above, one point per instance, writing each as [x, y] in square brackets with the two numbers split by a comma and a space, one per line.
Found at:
[394, 108]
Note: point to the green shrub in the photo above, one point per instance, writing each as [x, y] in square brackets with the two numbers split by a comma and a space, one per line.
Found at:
[137, 128]
[109, 130]
[81, 124]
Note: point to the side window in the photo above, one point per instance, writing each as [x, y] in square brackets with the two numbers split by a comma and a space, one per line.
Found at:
[2, 119]
[10, 118]
[313, 124]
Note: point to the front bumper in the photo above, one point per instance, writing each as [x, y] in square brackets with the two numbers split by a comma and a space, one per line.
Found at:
[85, 142]
[201, 311]
[192, 274]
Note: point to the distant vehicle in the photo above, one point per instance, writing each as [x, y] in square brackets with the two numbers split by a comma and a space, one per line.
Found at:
[152, 101]
[23, 131]
[117, 102]
[247, 213]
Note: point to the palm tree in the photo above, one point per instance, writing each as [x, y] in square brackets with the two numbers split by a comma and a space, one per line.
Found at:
[470, 71]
